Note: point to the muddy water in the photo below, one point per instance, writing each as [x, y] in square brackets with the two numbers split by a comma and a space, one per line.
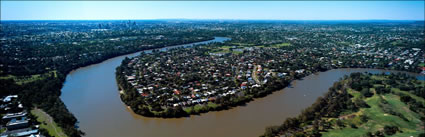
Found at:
[91, 94]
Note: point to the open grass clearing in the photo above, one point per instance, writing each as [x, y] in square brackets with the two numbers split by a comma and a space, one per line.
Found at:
[48, 123]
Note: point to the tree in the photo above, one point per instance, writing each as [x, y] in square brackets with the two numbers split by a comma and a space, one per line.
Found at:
[366, 92]
[361, 103]
[405, 98]
[339, 123]
[364, 118]
[390, 130]
[379, 134]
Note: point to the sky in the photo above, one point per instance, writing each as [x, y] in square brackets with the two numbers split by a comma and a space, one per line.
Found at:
[247, 10]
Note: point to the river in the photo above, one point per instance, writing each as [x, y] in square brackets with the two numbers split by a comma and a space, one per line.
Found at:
[92, 95]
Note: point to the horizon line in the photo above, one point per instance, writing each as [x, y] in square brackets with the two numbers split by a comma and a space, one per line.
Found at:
[218, 19]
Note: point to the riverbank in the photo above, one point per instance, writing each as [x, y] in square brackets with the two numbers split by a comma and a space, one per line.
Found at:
[198, 109]
[188, 81]
[83, 88]
[138, 51]
[363, 105]
[45, 92]
[64, 91]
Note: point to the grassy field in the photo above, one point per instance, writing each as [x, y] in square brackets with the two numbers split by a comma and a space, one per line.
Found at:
[212, 105]
[243, 44]
[21, 80]
[281, 45]
[198, 108]
[378, 118]
[26, 79]
[195, 108]
[188, 110]
[396, 90]
[275, 45]
[394, 43]
[344, 43]
[226, 49]
[48, 123]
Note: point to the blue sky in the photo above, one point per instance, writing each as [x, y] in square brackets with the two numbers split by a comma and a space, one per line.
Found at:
[277, 10]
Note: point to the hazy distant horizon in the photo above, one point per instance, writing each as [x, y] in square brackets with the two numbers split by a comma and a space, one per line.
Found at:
[212, 10]
[178, 19]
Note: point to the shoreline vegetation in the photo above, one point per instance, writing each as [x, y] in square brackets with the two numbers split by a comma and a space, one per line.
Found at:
[45, 90]
[199, 109]
[141, 50]
[362, 104]
[140, 100]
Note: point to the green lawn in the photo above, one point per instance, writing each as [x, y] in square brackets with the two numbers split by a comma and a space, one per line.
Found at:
[281, 45]
[198, 107]
[243, 44]
[356, 94]
[21, 80]
[345, 132]
[384, 110]
[396, 90]
[343, 43]
[378, 119]
[26, 79]
[379, 77]
[212, 105]
[188, 110]
[396, 42]
[48, 123]
[237, 52]
[275, 45]
[225, 49]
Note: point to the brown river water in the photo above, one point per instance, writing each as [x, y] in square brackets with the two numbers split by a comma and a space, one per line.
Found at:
[92, 95]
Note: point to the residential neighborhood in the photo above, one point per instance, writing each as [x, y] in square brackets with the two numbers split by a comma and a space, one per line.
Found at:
[204, 76]
[15, 121]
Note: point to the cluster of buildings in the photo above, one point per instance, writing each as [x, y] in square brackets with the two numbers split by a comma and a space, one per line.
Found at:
[14, 119]
[397, 58]
[79, 42]
[185, 77]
